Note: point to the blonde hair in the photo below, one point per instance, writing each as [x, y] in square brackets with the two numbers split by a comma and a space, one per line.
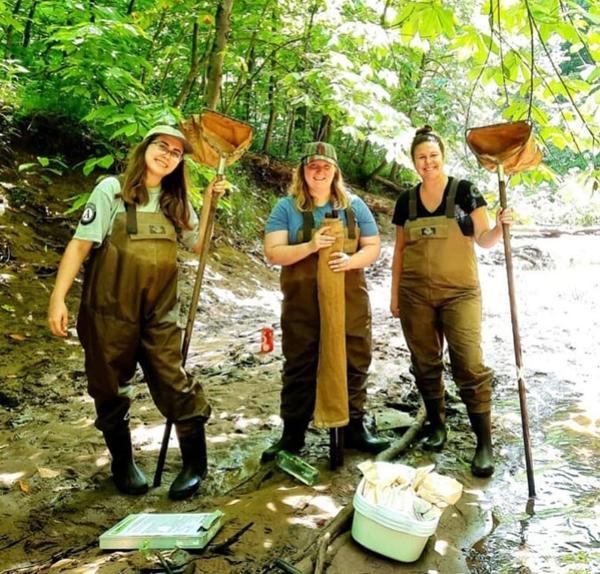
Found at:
[302, 198]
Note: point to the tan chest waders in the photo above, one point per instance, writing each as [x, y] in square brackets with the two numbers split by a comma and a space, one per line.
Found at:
[128, 315]
[301, 330]
[440, 298]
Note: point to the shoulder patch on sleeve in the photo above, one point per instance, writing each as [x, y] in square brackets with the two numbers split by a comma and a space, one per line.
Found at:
[89, 214]
[474, 191]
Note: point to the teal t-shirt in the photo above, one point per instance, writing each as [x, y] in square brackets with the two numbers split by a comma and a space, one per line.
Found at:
[285, 216]
[103, 206]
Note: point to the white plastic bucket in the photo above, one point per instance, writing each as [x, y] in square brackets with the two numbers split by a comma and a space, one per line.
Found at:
[391, 533]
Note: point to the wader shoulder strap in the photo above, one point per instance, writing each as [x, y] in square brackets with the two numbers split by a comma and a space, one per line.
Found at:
[451, 197]
[351, 223]
[132, 227]
[412, 203]
[308, 222]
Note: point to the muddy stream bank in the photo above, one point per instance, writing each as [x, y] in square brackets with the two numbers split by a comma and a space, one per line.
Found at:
[57, 497]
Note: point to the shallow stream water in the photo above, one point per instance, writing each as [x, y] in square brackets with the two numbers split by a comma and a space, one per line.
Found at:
[557, 283]
[558, 308]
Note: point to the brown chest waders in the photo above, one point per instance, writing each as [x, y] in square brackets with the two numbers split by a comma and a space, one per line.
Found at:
[128, 315]
[300, 324]
[440, 297]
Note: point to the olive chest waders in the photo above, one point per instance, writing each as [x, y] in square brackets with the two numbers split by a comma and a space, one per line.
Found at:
[300, 325]
[440, 297]
[128, 315]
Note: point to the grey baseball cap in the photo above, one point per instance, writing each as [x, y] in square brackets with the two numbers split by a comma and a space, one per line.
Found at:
[170, 131]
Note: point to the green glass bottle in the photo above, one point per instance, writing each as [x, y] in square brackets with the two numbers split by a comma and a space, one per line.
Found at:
[298, 468]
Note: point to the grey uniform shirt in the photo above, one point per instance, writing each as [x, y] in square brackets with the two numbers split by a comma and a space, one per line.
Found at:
[103, 206]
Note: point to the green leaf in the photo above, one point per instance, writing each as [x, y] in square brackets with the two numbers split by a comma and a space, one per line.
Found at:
[128, 130]
[80, 201]
[567, 32]
[26, 166]
[106, 161]
[43, 161]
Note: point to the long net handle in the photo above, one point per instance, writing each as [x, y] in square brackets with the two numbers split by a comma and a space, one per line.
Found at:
[205, 231]
[207, 216]
[516, 337]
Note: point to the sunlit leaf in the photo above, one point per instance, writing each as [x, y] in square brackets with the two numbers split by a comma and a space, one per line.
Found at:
[17, 337]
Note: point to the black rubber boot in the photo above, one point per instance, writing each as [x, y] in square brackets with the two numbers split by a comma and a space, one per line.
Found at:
[192, 443]
[292, 439]
[482, 464]
[436, 415]
[357, 436]
[127, 476]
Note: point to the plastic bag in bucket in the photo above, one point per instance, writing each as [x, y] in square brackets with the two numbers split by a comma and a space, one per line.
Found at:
[391, 515]
[388, 532]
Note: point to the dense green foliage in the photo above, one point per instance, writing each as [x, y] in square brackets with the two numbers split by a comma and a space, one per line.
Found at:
[359, 73]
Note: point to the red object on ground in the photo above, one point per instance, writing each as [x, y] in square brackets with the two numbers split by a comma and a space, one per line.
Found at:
[266, 345]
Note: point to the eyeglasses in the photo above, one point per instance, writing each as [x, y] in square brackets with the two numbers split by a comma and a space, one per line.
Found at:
[174, 154]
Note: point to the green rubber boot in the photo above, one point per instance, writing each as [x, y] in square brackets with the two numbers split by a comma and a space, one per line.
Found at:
[128, 477]
[357, 436]
[482, 464]
[436, 415]
[192, 443]
[292, 439]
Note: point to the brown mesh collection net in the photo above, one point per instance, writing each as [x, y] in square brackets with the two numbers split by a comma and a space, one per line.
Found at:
[511, 145]
[214, 135]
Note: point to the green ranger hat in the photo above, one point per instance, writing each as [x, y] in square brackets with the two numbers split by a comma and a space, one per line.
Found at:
[319, 150]
[170, 131]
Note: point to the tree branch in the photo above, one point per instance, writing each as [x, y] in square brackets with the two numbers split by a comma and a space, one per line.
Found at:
[557, 72]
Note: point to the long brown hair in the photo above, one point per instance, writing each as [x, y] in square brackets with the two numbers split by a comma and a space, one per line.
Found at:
[173, 198]
[302, 198]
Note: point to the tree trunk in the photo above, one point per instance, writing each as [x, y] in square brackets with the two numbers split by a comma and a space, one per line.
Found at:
[389, 183]
[29, 25]
[384, 13]
[363, 157]
[290, 133]
[394, 171]
[157, 32]
[411, 111]
[248, 96]
[9, 30]
[377, 170]
[130, 7]
[272, 116]
[193, 71]
[303, 111]
[272, 108]
[323, 132]
[245, 82]
[166, 70]
[272, 87]
[354, 151]
[217, 54]
[92, 15]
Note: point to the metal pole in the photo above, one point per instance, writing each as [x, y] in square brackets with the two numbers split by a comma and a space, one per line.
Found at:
[336, 448]
[516, 338]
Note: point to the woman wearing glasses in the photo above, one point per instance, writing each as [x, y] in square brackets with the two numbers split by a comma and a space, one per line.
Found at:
[129, 308]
